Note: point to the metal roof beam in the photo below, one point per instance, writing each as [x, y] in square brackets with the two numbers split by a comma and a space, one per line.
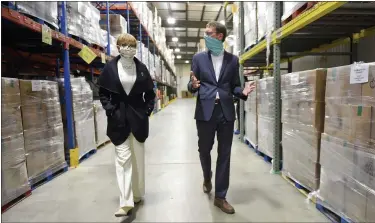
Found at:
[185, 24]
[187, 49]
[184, 39]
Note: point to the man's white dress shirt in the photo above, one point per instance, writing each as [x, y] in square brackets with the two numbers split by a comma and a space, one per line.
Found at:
[217, 62]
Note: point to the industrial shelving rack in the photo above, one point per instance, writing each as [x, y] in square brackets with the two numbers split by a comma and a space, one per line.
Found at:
[22, 42]
[324, 26]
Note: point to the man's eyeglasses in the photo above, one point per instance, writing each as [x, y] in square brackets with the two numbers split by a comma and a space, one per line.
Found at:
[209, 33]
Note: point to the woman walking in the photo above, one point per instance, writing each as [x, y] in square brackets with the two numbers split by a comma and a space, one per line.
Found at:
[126, 93]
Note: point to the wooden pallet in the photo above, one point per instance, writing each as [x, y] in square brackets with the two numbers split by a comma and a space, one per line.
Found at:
[15, 201]
[47, 176]
[301, 188]
[302, 9]
[331, 214]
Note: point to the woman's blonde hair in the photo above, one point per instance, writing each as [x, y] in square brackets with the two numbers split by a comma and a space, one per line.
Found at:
[127, 39]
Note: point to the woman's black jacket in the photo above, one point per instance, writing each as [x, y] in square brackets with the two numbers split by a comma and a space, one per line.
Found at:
[126, 113]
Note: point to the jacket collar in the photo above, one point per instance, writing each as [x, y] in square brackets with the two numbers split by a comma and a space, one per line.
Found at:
[109, 78]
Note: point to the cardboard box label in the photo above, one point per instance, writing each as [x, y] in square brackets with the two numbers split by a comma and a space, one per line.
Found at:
[36, 85]
[359, 73]
[46, 35]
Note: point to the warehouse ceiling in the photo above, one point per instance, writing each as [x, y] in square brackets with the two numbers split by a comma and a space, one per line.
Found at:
[191, 19]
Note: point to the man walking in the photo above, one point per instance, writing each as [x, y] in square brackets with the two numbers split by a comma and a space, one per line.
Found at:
[215, 76]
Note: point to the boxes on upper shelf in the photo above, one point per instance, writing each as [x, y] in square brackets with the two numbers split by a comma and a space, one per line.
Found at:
[13, 167]
[117, 24]
[83, 21]
[250, 25]
[265, 18]
[46, 11]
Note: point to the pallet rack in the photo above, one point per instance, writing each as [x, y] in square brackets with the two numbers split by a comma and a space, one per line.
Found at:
[22, 42]
[323, 26]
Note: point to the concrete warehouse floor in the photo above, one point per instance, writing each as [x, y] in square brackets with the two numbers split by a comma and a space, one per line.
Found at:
[173, 184]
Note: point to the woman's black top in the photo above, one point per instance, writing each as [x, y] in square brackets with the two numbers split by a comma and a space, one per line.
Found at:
[127, 113]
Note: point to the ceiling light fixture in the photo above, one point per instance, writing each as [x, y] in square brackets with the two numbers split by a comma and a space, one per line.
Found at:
[222, 22]
[171, 20]
[186, 61]
[175, 39]
[179, 57]
[177, 50]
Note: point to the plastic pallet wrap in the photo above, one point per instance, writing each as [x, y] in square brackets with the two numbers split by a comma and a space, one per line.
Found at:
[266, 121]
[83, 21]
[100, 124]
[14, 179]
[46, 11]
[289, 8]
[43, 128]
[83, 114]
[348, 150]
[250, 24]
[347, 178]
[303, 120]
[251, 117]
[265, 18]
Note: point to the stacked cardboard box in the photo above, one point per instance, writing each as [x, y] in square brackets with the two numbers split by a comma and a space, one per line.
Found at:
[43, 128]
[303, 119]
[347, 149]
[14, 179]
[83, 114]
[83, 21]
[117, 24]
[266, 120]
[251, 118]
[100, 124]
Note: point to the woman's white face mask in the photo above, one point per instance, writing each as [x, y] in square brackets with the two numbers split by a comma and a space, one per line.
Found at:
[127, 52]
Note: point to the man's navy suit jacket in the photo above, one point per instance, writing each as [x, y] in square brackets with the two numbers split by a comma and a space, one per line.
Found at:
[229, 85]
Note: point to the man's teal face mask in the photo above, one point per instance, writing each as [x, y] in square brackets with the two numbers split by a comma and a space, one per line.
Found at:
[214, 45]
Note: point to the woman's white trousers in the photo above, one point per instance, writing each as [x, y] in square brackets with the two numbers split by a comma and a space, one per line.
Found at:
[130, 171]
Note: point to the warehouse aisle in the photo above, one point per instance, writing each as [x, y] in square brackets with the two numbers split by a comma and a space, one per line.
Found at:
[173, 184]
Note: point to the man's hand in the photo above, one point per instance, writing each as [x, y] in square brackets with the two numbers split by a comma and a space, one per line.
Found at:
[195, 82]
[248, 88]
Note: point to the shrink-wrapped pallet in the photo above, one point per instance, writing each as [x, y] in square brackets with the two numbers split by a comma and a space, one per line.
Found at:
[83, 21]
[100, 124]
[303, 121]
[46, 11]
[14, 178]
[83, 115]
[266, 120]
[251, 118]
[43, 128]
[347, 148]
